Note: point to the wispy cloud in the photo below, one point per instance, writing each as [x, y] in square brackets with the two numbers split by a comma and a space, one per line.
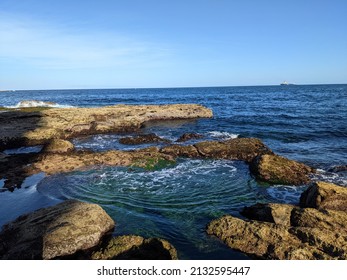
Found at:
[59, 47]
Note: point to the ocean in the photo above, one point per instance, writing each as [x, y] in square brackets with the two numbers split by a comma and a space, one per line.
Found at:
[306, 123]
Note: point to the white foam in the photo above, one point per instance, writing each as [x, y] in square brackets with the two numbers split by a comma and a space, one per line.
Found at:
[286, 194]
[37, 103]
[223, 134]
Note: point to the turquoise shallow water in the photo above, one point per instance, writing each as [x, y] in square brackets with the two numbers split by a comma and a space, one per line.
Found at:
[306, 123]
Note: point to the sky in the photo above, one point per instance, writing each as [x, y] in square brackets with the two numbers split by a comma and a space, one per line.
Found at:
[68, 44]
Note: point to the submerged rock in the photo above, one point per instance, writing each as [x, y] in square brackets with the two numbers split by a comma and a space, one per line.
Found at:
[324, 195]
[21, 128]
[132, 247]
[285, 232]
[336, 169]
[280, 170]
[58, 146]
[55, 232]
[142, 139]
[189, 136]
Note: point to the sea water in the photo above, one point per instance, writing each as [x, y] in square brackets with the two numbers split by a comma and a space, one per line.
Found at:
[305, 123]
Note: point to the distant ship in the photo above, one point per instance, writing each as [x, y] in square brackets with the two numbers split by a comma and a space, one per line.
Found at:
[285, 83]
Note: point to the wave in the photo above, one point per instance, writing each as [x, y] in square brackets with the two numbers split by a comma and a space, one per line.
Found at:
[222, 134]
[37, 103]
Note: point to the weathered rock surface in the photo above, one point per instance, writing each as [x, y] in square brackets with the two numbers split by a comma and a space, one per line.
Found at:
[58, 146]
[324, 195]
[279, 170]
[189, 136]
[272, 212]
[22, 128]
[55, 232]
[181, 151]
[132, 247]
[282, 231]
[142, 139]
[235, 149]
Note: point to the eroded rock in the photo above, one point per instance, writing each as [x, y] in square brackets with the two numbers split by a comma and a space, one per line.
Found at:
[142, 139]
[58, 146]
[23, 128]
[324, 195]
[280, 170]
[55, 232]
[132, 247]
[189, 136]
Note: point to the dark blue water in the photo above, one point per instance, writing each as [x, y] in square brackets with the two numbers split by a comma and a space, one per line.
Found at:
[305, 123]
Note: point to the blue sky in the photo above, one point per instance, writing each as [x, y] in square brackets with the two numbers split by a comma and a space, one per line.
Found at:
[52, 44]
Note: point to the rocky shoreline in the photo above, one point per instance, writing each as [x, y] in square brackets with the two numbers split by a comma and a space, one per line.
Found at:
[269, 231]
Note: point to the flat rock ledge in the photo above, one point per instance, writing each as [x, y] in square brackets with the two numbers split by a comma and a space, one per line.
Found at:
[282, 231]
[59, 156]
[75, 230]
[37, 127]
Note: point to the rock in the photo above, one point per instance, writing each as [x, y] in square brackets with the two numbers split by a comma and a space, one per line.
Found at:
[142, 139]
[235, 149]
[181, 151]
[322, 195]
[336, 169]
[132, 247]
[55, 232]
[262, 240]
[284, 231]
[272, 212]
[279, 170]
[21, 128]
[58, 146]
[189, 136]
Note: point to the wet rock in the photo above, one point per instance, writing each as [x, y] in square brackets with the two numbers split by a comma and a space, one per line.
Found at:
[279, 170]
[284, 231]
[336, 169]
[142, 139]
[189, 136]
[181, 151]
[272, 212]
[322, 195]
[235, 149]
[58, 146]
[132, 247]
[55, 232]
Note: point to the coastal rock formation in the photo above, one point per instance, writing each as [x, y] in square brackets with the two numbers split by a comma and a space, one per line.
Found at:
[282, 231]
[322, 195]
[55, 232]
[234, 149]
[280, 170]
[132, 247]
[339, 168]
[58, 146]
[23, 128]
[189, 136]
[181, 151]
[142, 139]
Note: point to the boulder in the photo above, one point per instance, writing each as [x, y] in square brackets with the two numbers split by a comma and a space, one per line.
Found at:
[275, 169]
[132, 247]
[58, 146]
[235, 149]
[271, 212]
[322, 195]
[55, 232]
[281, 231]
[189, 136]
[142, 139]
